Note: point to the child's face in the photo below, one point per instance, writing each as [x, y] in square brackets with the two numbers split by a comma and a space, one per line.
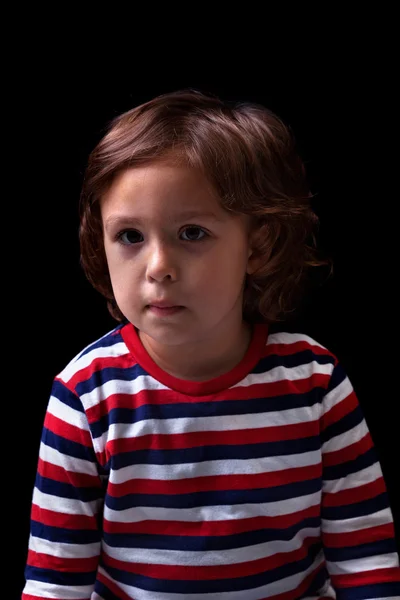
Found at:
[166, 253]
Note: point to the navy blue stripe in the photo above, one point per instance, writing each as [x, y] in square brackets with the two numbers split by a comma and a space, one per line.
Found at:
[109, 339]
[67, 490]
[358, 509]
[192, 410]
[346, 423]
[62, 535]
[105, 374]
[290, 361]
[64, 395]
[264, 365]
[60, 577]
[337, 377]
[104, 592]
[370, 592]
[361, 550]
[203, 409]
[318, 582]
[214, 586]
[363, 461]
[207, 543]
[67, 447]
[218, 498]
[224, 452]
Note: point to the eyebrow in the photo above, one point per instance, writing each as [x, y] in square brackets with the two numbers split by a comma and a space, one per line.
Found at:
[121, 220]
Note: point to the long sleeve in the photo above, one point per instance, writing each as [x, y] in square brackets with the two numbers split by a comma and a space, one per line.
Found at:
[357, 522]
[64, 542]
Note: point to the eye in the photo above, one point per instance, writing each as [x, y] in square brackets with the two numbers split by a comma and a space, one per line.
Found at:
[193, 230]
[128, 237]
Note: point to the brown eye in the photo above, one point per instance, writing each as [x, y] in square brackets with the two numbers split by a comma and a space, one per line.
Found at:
[193, 234]
[128, 237]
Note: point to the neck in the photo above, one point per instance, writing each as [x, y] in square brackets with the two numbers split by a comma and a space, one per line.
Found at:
[203, 360]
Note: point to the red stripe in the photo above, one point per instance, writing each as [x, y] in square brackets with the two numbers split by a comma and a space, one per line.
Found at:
[103, 457]
[214, 482]
[340, 410]
[67, 431]
[62, 564]
[355, 494]
[291, 595]
[175, 441]
[300, 590]
[348, 453]
[62, 520]
[246, 569]
[112, 587]
[30, 597]
[167, 396]
[359, 536]
[281, 349]
[99, 363]
[367, 577]
[210, 528]
[56, 473]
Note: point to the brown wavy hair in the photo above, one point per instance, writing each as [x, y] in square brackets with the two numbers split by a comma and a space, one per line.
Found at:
[249, 156]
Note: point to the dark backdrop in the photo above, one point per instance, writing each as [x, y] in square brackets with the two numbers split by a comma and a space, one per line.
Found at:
[341, 115]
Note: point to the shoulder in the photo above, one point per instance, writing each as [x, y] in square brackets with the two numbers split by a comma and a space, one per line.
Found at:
[295, 342]
[105, 350]
[299, 355]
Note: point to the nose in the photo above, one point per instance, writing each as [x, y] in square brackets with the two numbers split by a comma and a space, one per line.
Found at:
[162, 262]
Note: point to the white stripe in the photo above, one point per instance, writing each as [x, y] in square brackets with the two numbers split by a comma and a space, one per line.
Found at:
[337, 395]
[382, 517]
[354, 480]
[62, 550]
[347, 438]
[277, 587]
[52, 590]
[204, 424]
[189, 558]
[66, 413]
[281, 373]
[212, 468]
[212, 513]
[286, 338]
[70, 463]
[81, 362]
[364, 564]
[146, 382]
[66, 506]
[120, 386]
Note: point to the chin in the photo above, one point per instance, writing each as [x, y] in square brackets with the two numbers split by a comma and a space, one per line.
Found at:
[166, 338]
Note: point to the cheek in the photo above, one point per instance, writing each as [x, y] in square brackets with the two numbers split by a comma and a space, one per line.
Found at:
[122, 272]
[223, 269]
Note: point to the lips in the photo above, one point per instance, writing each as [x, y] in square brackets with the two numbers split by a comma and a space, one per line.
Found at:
[163, 304]
[164, 311]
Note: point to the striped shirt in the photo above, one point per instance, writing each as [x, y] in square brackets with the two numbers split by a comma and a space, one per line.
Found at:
[260, 483]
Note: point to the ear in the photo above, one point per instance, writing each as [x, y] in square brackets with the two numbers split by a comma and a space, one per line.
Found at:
[253, 256]
[253, 261]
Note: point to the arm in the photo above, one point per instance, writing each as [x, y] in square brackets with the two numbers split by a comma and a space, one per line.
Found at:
[357, 522]
[64, 543]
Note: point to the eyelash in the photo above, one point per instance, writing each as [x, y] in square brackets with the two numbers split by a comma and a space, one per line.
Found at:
[121, 233]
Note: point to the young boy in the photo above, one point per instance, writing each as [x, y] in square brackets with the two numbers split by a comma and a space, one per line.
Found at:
[191, 453]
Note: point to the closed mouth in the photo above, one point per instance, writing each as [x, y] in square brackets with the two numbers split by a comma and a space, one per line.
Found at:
[156, 306]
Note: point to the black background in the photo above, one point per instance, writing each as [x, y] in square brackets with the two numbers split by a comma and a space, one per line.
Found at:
[340, 108]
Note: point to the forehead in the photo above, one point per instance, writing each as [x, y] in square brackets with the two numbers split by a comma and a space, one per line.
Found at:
[161, 186]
